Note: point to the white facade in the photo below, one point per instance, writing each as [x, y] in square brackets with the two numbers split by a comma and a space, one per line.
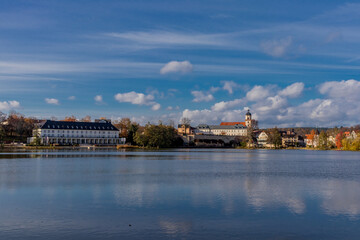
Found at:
[228, 128]
[70, 133]
[236, 130]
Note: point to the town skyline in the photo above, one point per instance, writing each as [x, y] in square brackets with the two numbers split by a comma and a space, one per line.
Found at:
[292, 64]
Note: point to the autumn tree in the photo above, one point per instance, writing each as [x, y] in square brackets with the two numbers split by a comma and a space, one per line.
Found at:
[37, 140]
[338, 140]
[72, 118]
[86, 119]
[127, 129]
[18, 126]
[311, 136]
[250, 137]
[275, 137]
[123, 125]
[356, 143]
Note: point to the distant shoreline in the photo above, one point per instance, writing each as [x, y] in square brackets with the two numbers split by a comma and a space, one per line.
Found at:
[14, 148]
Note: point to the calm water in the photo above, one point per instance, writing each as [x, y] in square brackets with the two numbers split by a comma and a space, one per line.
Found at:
[180, 194]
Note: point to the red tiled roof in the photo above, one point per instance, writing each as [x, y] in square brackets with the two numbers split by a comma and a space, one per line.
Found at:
[232, 123]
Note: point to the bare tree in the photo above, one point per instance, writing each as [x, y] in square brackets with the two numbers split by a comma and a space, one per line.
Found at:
[185, 121]
[2, 117]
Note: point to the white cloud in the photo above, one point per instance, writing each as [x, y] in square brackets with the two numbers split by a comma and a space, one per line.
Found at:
[272, 108]
[98, 99]
[138, 99]
[53, 101]
[213, 117]
[169, 108]
[258, 93]
[163, 38]
[349, 89]
[269, 105]
[156, 107]
[199, 96]
[177, 67]
[326, 110]
[135, 98]
[339, 107]
[71, 98]
[277, 48]
[8, 105]
[292, 91]
[214, 89]
[229, 86]
[225, 105]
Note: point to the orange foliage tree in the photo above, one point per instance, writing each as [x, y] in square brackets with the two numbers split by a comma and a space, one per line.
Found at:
[70, 119]
[338, 139]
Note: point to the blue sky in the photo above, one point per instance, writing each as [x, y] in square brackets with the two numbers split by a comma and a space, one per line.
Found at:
[293, 63]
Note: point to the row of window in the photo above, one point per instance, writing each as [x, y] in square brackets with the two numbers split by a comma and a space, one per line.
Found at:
[221, 130]
[81, 127]
[75, 131]
[73, 136]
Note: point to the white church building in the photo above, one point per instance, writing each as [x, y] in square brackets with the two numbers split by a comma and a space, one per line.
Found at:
[228, 128]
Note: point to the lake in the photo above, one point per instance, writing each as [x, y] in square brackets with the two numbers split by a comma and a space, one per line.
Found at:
[180, 194]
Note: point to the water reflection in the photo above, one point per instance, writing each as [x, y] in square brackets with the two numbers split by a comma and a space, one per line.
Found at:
[341, 197]
[174, 194]
[175, 227]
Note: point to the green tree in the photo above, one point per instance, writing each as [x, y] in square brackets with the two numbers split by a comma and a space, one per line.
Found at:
[323, 142]
[2, 134]
[131, 133]
[158, 136]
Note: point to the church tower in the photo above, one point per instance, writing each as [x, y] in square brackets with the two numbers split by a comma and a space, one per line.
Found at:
[248, 121]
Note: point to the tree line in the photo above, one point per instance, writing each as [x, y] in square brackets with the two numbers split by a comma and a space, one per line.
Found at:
[16, 127]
